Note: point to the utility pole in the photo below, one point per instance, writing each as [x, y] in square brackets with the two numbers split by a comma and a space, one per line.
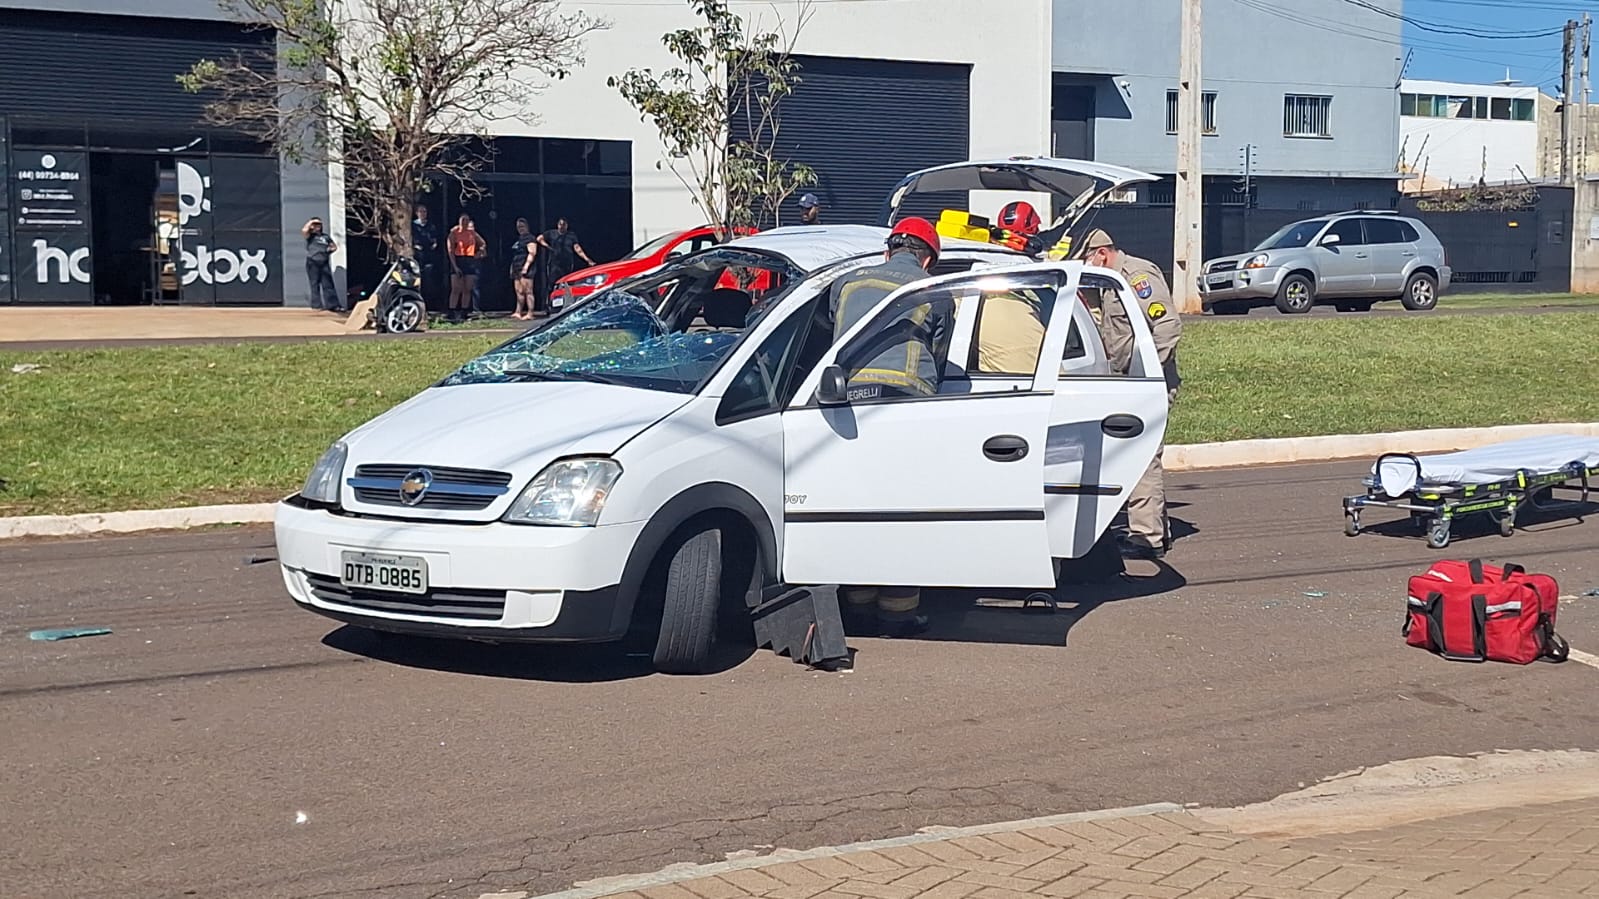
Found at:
[1188, 242]
[1582, 118]
[1567, 101]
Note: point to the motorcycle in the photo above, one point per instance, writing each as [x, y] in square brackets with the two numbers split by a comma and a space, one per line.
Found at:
[400, 308]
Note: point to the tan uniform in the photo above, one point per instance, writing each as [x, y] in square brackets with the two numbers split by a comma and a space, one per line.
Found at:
[1010, 333]
[1146, 505]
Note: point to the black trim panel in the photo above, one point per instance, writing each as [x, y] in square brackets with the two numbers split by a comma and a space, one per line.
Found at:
[587, 616]
[887, 517]
[1082, 490]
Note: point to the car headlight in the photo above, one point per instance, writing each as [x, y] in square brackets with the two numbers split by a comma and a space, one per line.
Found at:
[590, 281]
[1256, 261]
[322, 484]
[570, 493]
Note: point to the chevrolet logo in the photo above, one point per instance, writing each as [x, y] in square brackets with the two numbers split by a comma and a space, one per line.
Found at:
[415, 486]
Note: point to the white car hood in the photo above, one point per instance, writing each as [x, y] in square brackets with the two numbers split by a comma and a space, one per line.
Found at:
[516, 428]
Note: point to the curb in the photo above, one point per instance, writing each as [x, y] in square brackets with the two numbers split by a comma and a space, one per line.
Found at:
[594, 889]
[1184, 457]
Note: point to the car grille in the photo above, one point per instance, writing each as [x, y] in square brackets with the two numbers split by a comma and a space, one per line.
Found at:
[453, 489]
[466, 605]
[1222, 266]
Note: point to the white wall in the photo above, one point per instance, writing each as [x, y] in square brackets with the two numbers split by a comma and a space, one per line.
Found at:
[1007, 44]
[1454, 149]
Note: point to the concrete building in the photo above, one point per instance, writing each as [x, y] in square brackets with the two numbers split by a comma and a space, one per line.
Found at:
[884, 92]
[1307, 90]
[1455, 135]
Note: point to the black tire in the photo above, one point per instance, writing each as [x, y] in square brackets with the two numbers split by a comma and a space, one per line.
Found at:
[692, 601]
[1230, 307]
[405, 316]
[1421, 293]
[1296, 295]
[1507, 524]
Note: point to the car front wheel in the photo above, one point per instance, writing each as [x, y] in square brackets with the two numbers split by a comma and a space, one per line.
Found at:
[692, 598]
[1296, 295]
[1421, 293]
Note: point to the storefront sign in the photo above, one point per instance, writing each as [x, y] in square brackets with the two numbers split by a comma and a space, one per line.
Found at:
[50, 226]
[228, 211]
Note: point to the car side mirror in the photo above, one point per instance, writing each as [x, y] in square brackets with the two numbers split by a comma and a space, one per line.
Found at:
[1331, 239]
[834, 389]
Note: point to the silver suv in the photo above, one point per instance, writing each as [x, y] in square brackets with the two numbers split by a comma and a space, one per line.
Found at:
[1351, 260]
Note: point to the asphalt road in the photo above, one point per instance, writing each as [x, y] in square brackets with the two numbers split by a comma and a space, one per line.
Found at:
[174, 756]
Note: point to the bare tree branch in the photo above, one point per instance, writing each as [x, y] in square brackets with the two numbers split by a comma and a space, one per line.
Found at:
[393, 90]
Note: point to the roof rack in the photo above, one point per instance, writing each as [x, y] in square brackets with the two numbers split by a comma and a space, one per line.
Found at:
[1368, 212]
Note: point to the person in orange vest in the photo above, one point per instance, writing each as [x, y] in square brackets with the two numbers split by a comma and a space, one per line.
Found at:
[465, 247]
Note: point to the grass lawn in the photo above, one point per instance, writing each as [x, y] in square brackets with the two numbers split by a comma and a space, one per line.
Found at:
[131, 428]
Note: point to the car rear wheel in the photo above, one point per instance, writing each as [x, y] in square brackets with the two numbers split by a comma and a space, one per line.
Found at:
[1296, 296]
[1421, 293]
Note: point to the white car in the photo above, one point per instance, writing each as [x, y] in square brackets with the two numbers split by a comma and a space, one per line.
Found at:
[649, 458]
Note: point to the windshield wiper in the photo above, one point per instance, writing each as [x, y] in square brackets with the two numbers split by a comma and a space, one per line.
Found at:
[592, 377]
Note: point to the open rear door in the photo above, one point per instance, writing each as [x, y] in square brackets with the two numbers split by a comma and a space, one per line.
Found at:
[935, 490]
[1104, 429]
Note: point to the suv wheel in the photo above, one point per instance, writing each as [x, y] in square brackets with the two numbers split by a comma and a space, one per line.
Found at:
[1296, 295]
[1421, 293]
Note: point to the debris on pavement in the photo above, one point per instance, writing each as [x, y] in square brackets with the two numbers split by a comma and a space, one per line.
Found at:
[1593, 592]
[301, 817]
[26, 368]
[1315, 594]
[259, 560]
[68, 633]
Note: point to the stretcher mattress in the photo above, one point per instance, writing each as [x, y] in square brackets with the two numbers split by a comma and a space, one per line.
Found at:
[1486, 464]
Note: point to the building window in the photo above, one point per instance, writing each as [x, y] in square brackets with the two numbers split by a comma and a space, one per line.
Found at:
[1306, 116]
[1407, 104]
[1209, 116]
[1524, 110]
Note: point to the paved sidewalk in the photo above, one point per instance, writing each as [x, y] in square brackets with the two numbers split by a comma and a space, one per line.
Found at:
[40, 325]
[1535, 851]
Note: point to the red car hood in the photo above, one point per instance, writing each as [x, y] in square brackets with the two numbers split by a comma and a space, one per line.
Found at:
[613, 270]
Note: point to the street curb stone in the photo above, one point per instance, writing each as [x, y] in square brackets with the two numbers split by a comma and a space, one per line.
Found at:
[680, 873]
[1183, 457]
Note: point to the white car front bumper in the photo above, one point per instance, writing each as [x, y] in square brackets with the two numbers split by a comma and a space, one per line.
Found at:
[497, 582]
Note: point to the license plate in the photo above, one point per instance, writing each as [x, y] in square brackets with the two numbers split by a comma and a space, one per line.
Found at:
[380, 571]
[1220, 279]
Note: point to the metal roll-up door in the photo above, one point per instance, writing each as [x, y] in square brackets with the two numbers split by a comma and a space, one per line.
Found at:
[862, 124]
[69, 67]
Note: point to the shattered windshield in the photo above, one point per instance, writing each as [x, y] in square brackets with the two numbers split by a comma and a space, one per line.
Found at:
[669, 330]
[1299, 234]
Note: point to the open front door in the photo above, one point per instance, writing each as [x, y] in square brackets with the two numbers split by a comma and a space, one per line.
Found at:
[1104, 429]
[941, 489]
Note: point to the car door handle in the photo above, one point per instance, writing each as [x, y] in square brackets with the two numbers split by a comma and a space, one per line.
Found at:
[1005, 448]
[1407, 254]
[1122, 426]
[1360, 255]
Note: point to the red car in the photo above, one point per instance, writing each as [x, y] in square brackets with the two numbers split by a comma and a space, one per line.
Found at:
[662, 249]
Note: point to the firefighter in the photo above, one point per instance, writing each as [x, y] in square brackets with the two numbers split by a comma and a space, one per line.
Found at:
[1148, 534]
[1010, 331]
[905, 368]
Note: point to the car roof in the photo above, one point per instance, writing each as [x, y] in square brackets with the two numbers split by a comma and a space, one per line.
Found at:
[813, 247]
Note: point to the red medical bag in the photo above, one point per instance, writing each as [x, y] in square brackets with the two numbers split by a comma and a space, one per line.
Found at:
[1471, 612]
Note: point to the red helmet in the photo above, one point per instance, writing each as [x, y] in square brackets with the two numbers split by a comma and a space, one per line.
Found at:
[919, 228]
[1019, 217]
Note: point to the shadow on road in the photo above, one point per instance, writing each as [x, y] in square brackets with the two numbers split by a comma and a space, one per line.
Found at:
[588, 663]
[1476, 528]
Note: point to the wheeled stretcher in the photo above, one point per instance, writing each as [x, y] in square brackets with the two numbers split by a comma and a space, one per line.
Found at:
[1497, 480]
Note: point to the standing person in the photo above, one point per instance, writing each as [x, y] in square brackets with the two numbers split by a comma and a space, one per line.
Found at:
[524, 250]
[565, 249]
[810, 210]
[904, 368]
[1148, 534]
[482, 262]
[464, 247]
[319, 250]
[425, 248]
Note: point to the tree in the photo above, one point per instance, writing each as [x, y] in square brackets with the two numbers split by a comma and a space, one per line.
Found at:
[718, 114]
[394, 91]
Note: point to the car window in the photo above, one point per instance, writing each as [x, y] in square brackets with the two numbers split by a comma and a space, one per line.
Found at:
[767, 382]
[1408, 232]
[902, 352]
[1384, 231]
[1348, 231]
[1292, 236]
[1010, 328]
[704, 241]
